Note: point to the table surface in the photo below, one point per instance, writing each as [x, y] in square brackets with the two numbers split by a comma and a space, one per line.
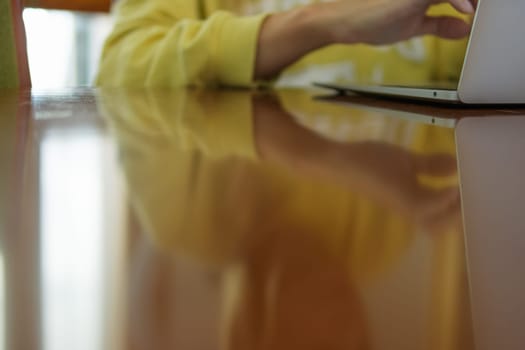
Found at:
[230, 219]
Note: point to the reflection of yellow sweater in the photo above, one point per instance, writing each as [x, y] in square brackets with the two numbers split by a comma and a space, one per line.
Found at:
[189, 160]
[180, 42]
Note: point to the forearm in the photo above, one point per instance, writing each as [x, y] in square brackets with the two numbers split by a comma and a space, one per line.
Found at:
[287, 36]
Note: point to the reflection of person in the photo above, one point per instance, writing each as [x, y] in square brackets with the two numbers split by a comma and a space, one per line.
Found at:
[181, 42]
[175, 136]
[285, 228]
[389, 174]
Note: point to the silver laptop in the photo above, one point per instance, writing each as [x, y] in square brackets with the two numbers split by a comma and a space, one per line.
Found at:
[491, 163]
[494, 65]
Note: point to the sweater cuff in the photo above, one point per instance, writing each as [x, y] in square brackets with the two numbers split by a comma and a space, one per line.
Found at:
[236, 50]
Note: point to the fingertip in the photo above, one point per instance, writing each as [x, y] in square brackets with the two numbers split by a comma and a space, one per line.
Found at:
[447, 27]
[461, 32]
[467, 6]
[457, 30]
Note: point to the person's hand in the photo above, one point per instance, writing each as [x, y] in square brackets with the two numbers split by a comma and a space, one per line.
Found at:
[287, 36]
[382, 22]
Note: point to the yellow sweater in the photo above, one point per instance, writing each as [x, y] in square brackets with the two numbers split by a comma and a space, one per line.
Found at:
[167, 43]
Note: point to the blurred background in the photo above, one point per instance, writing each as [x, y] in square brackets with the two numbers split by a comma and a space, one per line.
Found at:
[64, 40]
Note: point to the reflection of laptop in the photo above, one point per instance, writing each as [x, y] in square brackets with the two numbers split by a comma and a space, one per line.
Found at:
[435, 114]
[492, 172]
[494, 66]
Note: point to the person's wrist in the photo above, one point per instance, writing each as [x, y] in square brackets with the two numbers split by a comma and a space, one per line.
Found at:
[341, 29]
[314, 23]
[287, 36]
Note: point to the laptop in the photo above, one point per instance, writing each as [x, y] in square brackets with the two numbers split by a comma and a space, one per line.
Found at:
[491, 162]
[494, 66]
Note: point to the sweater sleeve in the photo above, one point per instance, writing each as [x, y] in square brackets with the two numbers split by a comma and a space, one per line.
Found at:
[162, 43]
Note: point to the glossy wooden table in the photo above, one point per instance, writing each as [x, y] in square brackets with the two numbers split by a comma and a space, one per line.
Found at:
[195, 219]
